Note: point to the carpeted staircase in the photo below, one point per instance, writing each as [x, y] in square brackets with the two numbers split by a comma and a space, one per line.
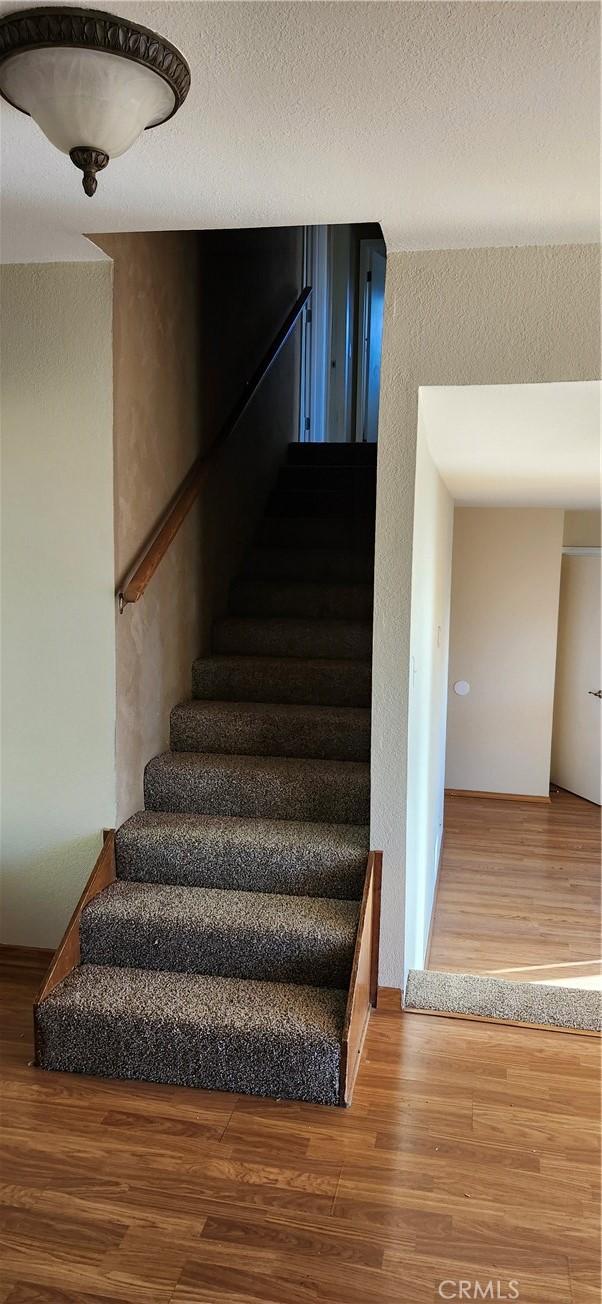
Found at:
[221, 956]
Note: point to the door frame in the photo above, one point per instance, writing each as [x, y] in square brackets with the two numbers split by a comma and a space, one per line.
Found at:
[367, 248]
[313, 371]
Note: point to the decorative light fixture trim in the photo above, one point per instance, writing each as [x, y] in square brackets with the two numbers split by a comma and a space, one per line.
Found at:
[55, 28]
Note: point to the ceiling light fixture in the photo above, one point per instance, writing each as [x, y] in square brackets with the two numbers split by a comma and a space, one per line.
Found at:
[92, 82]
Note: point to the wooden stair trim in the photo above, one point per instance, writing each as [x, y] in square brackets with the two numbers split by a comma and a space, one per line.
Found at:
[389, 1000]
[363, 986]
[67, 955]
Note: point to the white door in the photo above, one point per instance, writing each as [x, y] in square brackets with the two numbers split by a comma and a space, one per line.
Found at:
[340, 371]
[577, 708]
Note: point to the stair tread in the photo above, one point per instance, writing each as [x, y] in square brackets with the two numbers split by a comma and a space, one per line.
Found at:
[240, 660]
[220, 931]
[285, 787]
[223, 1034]
[333, 530]
[225, 1003]
[332, 452]
[313, 624]
[286, 834]
[315, 921]
[319, 681]
[286, 711]
[316, 598]
[362, 523]
[311, 559]
[271, 728]
[295, 583]
[268, 855]
[233, 764]
[316, 503]
[326, 478]
[280, 636]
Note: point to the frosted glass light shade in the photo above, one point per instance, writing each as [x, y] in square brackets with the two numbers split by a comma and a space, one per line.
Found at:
[89, 98]
[91, 80]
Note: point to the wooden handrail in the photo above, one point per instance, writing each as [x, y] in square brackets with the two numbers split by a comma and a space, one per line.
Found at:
[191, 484]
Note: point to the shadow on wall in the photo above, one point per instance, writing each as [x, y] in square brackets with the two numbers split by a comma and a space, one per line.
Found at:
[250, 280]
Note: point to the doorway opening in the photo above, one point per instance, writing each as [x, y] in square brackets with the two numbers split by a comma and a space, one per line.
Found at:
[341, 338]
[503, 840]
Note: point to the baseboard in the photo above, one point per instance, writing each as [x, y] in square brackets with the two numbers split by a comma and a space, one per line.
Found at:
[496, 796]
[388, 1000]
[25, 957]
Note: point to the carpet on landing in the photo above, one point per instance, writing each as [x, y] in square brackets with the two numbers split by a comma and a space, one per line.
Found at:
[497, 998]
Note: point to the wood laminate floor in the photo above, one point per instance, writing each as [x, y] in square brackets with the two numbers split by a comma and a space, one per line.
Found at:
[469, 1155]
[519, 891]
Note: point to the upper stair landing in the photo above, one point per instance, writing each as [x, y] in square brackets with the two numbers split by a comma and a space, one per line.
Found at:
[331, 454]
[325, 480]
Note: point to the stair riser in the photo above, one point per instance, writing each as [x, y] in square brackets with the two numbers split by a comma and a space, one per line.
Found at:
[268, 1065]
[318, 683]
[317, 601]
[284, 502]
[255, 873]
[347, 565]
[274, 638]
[316, 532]
[248, 856]
[220, 953]
[335, 738]
[342, 797]
[332, 454]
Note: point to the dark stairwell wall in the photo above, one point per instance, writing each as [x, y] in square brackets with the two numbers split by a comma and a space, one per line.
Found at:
[192, 315]
[251, 279]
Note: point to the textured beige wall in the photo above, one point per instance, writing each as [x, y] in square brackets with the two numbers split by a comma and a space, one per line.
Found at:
[58, 632]
[582, 529]
[157, 435]
[454, 317]
[504, 621]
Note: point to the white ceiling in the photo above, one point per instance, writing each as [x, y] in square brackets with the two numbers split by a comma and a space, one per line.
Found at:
[454, 125]
[516, 445]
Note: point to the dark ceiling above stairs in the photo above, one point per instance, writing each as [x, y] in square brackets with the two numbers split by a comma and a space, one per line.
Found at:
[221, 956]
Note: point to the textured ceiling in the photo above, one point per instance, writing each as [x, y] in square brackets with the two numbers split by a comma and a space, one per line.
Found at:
[453, 125]
[517, 445]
